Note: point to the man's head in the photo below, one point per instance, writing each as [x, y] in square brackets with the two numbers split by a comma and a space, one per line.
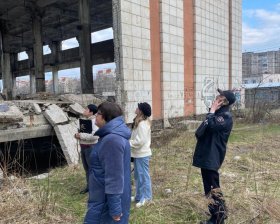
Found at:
[90, 110]
[227, 95]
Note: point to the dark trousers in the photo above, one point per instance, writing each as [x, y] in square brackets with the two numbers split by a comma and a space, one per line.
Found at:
[211, 180]
[85, 153]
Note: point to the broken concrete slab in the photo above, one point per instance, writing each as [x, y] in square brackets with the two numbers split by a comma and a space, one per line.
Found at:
[36, 108]
[82, 99]
[69, 145]
[4, 107]
[76, 109]
[25, 133]
[12, 115]
[55, 115]
[35, 120]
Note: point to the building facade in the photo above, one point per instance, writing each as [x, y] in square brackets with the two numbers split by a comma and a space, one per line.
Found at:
[255, 64]
[174, 54]
[262, 78]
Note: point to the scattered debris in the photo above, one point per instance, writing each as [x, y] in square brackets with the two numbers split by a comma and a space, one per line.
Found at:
[76, 109]
[55, 115]
[36, 108]
[236, 158]
[40, 177]
[12, 115]
[228, 175]
[4, 107]
[168, 191]
[82, 99]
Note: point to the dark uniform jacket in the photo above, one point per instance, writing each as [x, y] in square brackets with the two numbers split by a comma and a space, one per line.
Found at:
[212, 137]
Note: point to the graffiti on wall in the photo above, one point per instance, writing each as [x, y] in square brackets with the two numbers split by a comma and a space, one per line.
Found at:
[209, 90]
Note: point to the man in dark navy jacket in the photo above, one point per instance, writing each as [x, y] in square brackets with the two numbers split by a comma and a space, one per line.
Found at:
[212, 137]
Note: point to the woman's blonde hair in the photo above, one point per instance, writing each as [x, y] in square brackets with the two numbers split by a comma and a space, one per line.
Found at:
[140, 117]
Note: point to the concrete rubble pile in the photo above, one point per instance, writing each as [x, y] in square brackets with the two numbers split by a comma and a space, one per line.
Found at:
[25, 119]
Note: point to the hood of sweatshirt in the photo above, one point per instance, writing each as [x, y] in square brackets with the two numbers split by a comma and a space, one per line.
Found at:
[116, 126]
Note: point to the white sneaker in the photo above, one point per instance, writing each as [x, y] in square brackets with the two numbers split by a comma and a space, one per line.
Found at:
[140, 203]
[132, 199]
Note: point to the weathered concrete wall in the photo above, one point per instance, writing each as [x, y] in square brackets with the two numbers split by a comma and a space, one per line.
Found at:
[135, 54]
[236, 44]
[212, 49]
[172, 57]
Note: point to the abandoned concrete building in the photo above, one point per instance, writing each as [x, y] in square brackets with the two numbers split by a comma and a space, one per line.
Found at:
[173, 54]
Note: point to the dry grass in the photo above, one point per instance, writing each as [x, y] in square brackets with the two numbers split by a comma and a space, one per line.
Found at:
[21, 203]
[251, 184]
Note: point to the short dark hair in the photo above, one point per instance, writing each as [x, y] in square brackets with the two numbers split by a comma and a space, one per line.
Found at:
[92, 108]
[110, 110]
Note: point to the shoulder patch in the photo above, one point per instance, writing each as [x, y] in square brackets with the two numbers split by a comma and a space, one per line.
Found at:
[220, 119]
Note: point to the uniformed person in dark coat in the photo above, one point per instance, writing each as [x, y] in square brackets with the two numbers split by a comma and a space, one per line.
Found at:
[212, 137]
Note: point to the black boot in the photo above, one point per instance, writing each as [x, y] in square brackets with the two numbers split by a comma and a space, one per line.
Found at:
[210, 221]
[217, 207]
[213, 220]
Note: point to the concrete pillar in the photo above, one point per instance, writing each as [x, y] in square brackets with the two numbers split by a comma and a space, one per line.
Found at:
[7, 77]
[56, 49]
[85, 47]
[120, 94]
[14, 61]
[38, 54]
[32, 76]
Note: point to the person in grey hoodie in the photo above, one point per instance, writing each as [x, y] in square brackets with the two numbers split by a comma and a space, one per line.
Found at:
[109, 172]
[87, 138]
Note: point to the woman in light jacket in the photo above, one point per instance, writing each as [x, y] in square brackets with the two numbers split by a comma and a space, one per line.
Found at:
[109, 172]
[141, 152]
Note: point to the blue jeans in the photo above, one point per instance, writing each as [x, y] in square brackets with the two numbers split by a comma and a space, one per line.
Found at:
[85, 153]
[142, 179]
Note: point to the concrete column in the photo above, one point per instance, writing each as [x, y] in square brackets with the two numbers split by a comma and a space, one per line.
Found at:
[32, 76]
[120, 94]
[13, 61]
[56, 49]
[85, 47]
[55, 79]
[38, 54]
[7, 77]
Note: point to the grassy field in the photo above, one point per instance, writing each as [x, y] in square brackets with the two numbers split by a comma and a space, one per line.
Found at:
[250, 179]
